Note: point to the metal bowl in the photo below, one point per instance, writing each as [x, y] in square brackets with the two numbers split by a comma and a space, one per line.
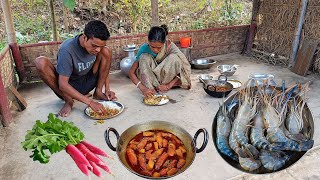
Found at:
[205, 77]
[227, 70]
[295, 156]
[202, 63]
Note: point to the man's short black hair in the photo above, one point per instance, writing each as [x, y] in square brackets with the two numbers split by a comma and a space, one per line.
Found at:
[96, 29]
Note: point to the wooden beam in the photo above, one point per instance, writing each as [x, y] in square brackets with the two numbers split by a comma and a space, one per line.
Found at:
[16, 98]
[253, 26]
[18, 61]
[305, 56]
[8, 21]
[299, 26]
[155, 12]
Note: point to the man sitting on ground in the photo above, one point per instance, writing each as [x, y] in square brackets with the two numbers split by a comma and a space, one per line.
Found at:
[83, 63]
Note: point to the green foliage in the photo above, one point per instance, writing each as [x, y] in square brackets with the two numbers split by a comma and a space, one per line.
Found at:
[31, 30]
[31, 3]
[65, 36]
[231, 13]
[53, 135]
[137, 12]
[32, 19]
[70, 4]
[2, 45]
[198, 24]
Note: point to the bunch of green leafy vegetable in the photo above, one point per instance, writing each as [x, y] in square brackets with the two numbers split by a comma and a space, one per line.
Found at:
[53, 135]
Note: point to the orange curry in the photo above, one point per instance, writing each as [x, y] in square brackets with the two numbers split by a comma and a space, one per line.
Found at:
[156, 153]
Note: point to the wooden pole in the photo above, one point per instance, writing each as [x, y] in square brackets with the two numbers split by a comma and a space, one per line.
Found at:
[8, 21]
[18, 61]
[4, 106]
[296, 40]
[6, 117]
[66, 19]
[154, 12]
[53, 21]
[12, 39]
[253, 26]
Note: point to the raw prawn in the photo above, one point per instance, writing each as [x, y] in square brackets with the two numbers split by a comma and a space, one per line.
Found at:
[235, 146]
[223, 131]
[294, 122]
[273, 160]
[246, 112]
[257, 134]
[276, 135]
[249, 164]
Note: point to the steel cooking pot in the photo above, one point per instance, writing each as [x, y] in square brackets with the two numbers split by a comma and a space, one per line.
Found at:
[217, 88]
[183, 135]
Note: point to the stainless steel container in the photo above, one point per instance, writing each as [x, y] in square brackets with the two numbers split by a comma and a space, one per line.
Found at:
[126, 63]
[202, 63]
[189, 142]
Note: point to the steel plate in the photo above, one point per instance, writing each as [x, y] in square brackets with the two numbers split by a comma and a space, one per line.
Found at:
[107, 104]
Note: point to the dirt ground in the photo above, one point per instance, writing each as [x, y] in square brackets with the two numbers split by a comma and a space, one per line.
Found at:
[193, 110]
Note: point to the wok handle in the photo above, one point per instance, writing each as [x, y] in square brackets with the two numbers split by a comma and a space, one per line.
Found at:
[202, 80]
[222, 79]
[205, 139]
[212, 89]
[107, 137]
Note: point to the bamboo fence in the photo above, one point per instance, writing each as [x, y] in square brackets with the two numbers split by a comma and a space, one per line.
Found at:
[276, 24]
[277, 21]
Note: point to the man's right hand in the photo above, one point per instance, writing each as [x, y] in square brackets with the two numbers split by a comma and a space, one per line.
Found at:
[97, 107]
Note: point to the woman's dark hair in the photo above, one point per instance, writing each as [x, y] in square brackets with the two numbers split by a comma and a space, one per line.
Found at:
[96, 29]
[158, 33]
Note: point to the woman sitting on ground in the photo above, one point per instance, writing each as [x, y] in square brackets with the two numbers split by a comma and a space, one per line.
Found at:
[160, 65]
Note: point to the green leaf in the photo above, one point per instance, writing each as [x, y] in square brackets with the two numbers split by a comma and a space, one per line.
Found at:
[40, 155]
[53, 136]
[70, 4]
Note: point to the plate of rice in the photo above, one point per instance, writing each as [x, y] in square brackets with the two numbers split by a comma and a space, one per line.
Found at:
[113, 109]
[156, 100]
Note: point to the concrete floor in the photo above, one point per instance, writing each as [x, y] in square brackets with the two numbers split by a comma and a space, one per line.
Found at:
[194, 110]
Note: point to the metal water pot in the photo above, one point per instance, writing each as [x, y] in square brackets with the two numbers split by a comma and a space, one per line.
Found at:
[126, 63]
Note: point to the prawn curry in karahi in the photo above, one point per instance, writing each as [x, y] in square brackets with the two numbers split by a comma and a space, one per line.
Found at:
[156, 153]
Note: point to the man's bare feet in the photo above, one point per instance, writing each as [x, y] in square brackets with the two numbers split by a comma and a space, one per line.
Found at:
[66, 109]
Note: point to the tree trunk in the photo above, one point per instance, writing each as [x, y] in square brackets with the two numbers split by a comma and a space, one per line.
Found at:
[8, 21]
[134, 26]
[154, 12]
[104, 6]
[66, 19]
[53, 21]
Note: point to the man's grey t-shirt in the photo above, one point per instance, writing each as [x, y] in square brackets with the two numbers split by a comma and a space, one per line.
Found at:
[73, 60]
